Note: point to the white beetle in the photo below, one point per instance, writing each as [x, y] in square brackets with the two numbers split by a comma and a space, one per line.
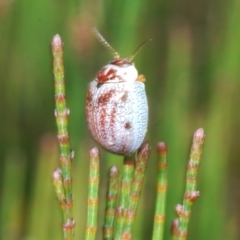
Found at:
[116, 105]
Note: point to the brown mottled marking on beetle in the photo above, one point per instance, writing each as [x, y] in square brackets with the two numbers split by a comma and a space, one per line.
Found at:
[89, 111]
[127, 125]
[89, 97]
[106, 96]
[125, 96]
[112, 123]
[123, 148]
[101, 127]
[104, 76]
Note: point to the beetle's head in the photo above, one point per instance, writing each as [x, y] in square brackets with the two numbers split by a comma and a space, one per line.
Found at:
[120, 69]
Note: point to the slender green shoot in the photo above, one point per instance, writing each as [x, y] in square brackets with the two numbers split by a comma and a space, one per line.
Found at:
[93, 186]
[180, 225]
[127, 176]
[58, 186]
[162, 184]
[108, 228]
[66, 155]
[137, 183]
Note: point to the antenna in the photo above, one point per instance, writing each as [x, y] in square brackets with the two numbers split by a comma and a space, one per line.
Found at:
[130, 59]
[102, 40]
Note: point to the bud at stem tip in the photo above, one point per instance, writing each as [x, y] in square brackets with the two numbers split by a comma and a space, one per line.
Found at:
[56, 40]
[162, 148]
[94, 153]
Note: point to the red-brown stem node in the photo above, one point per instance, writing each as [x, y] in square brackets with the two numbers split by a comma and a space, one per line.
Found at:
[63, 139]
[66, 205]
[107, 231]
[162, 165]
[162, 148]
[126, 236]
[67, 181]
[182, 234]
[192, 196]
[93, 179]
[119, 211]
[162, 188]
[91, 229]
[129, 161]
[174, 227]
[92, 201]
[69, 224]
[60, 97]
[159, 218]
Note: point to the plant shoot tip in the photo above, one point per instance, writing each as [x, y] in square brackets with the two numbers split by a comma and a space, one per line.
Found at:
[199, 133]
[162, 148]
[174, 226]
[94, 153]
[57, 174]
[57, 40]
[114, 170]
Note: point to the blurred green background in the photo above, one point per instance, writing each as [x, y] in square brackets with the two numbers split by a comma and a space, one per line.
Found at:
[192, 72]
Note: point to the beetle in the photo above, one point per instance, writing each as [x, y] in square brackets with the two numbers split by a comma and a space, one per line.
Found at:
[116, 104]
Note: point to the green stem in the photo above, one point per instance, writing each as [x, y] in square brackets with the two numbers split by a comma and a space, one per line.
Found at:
[127, 175]
[61, 114]
[59, 189]
[137, 182]
[92, 209]
[111, 203]
[179, 229]
[159, 216]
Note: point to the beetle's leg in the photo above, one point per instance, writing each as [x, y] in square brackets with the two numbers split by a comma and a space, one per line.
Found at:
[141, 78]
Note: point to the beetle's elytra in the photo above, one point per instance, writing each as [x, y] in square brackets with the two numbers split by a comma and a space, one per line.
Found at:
[116, 105]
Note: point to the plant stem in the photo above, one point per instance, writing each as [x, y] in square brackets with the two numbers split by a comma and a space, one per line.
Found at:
[159, 216]
[92, 209]
[127, 175]
[111, 203]
[66, 155]
[180, 226]
[137, 182]
[58, 186]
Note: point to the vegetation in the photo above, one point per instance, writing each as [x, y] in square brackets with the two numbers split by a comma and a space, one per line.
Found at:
[192, 81]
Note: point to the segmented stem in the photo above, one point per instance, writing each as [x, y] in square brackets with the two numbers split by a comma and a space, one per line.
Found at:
[137, 182]
[127, 176]
[93, 186]
[180, 226]
[159, 216]
[61, 114]
[58, 186]
[111, 203]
